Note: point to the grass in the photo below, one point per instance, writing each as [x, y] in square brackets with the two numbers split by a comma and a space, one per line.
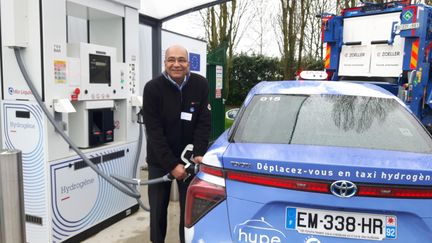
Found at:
[228, 123]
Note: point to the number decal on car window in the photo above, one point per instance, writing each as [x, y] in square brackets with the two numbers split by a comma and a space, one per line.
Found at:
[270, 98]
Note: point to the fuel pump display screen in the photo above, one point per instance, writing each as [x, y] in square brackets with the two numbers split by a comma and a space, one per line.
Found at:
[100, 69]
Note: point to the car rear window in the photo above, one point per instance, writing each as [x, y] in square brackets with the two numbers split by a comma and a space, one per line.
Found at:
[332, 120]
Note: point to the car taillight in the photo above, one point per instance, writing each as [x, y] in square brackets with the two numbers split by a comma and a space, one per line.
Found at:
[329, 74]
[364, 190]
[201, 197]
[288, 183]
[395, 192]
[211, 170]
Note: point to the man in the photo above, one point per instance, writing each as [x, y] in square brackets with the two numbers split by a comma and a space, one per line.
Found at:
[176, 113]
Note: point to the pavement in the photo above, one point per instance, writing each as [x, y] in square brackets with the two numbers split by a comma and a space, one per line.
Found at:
[135, 228]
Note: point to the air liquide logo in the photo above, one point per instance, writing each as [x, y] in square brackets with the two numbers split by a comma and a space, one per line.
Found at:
[13, 91]
[257, 231]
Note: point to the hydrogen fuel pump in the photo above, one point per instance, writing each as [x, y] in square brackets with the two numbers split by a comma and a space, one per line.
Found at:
[69, 98]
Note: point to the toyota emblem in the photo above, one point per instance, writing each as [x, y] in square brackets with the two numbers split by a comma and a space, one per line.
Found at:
[343, 188]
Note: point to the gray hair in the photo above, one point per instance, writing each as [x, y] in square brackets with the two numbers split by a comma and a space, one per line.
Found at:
[177, 46]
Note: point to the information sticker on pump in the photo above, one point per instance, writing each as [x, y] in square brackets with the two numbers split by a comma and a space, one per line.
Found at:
[341, 224]
[409, 26]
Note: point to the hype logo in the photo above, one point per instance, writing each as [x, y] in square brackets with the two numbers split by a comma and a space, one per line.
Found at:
[311, 239]
[258, 231]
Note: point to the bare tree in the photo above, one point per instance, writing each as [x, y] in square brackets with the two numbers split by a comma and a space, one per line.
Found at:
[223, 25]
[211, 31]
[350, 3]
[260, 23]
[338, 6]
[287, 23]
[314, 46]
[304, 15]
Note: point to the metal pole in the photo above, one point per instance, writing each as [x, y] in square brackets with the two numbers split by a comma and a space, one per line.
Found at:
[174, 194]
[12, 216]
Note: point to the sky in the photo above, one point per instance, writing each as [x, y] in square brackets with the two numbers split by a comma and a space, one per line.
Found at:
[191, 25]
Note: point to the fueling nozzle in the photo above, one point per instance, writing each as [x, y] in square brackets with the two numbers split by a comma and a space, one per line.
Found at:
[187, 158]
[190, 166]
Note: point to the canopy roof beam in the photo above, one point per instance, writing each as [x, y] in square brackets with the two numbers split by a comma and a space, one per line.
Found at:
[196, 8]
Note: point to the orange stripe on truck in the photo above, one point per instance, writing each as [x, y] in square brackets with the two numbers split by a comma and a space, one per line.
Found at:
[414, 54]
[327, 57]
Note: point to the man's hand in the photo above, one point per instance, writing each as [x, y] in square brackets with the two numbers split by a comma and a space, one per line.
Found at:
[179, 172]
[198, 159]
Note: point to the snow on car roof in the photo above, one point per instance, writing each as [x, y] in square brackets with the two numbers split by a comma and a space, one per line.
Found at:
[321, 87]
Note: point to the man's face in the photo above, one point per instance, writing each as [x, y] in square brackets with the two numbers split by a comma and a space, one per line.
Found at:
[176, 63]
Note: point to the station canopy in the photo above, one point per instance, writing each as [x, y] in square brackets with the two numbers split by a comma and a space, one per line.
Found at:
[164, 10]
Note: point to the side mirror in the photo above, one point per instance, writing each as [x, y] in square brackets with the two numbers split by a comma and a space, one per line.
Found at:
[231, 114]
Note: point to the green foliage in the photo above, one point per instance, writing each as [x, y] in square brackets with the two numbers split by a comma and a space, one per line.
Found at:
[248, 71]
[310, 63]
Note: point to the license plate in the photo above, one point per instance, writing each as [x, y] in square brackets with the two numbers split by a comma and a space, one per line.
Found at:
[341, 224]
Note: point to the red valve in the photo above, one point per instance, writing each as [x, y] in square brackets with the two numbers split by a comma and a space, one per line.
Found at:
[74, 95]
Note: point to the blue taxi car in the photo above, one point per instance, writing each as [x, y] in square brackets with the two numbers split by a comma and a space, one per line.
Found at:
[315, 162]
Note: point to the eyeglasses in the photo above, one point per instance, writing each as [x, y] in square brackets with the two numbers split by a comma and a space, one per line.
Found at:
[173, 60]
